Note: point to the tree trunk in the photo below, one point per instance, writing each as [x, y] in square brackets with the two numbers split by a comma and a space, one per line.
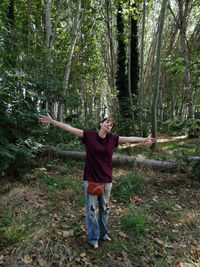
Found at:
[141, 68]
[121, 75]
[91, 115]
[84, 97]
[76, 27]
[50, 39]
[161, 108]
[134, 57]
[29, 28]
[129, 71]
[73, 43]
[60, 112]
[117, 160]
[157, 75]
[130, 74]
[182, 25]
[10, 60]
[50, 96]
[171, 116]
[111, 49]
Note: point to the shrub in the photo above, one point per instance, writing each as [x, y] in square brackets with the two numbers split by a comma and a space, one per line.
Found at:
[18, 124]
[188, 157]
[174, 127]
[193, 128]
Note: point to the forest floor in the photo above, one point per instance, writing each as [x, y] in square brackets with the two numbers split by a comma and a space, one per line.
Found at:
[42, 218]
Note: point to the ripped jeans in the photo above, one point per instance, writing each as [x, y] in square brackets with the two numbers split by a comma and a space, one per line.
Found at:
[97, 228]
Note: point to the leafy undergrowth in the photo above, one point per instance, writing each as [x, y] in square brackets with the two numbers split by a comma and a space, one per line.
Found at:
[155, 220]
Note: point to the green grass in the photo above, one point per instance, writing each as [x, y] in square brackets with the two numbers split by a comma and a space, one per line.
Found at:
[129, 185]
[12, 230]
[134, 222]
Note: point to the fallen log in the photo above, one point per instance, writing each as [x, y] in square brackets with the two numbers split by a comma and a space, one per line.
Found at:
[196, 159]
[118, 160]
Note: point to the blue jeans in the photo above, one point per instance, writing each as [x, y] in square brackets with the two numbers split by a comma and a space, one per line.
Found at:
[97, 228]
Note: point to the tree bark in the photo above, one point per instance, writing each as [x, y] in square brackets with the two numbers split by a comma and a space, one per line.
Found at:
[141, 67]
[29, 28]
[157, 75]
[182, 25]
[73, 43]
[111, 48]
[130, 74]
[161, 107]
[117, 160]
[50, 39]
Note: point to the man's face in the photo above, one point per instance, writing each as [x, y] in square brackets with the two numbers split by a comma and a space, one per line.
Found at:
[107, 125]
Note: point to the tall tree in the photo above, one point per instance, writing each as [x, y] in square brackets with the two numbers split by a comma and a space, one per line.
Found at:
[9, 40]
[134, 55]
[76, 26]
[111, 78]
[141, 67]
[182, 25]
[50, 39]
[157, 74]
[121, 75]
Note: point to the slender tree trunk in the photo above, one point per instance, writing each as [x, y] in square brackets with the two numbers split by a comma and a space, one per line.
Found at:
[50, 96]
[50, 39]
[85, 104]
[111, 52]
[76, 27]
[141, 67]
[130, 69]
[149, 66]
[29, 28]
[9, 44]
[171, 116]
[73, 43]
[174, 99]
[111, 48]
[189, 92]
[134, 57]
[60, 111]
[157, 74]
[161, 108]
[92, 96]
[121, 75]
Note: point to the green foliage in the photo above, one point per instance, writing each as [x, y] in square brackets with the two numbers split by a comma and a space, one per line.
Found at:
[134, 222]
[179, 126]
[18, 124]
[129, 185]
[193, 128]
[188, 157]
[176, 68]
[60, 139]
[174, 127]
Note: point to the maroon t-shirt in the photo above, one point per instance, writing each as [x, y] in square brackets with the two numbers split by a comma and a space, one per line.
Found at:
[99, 151]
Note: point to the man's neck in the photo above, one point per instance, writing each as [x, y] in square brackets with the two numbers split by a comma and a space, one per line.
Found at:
[102, 134]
